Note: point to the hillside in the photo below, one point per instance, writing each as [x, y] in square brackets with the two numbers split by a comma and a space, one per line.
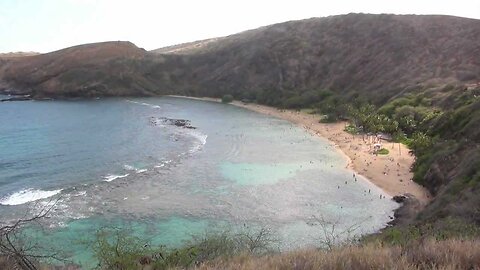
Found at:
[86, 70]
[424, 69]
[187, 48]
[17, 54]
[430, 254]
[377, 55]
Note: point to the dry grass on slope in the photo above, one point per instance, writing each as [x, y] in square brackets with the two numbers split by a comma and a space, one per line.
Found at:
[431, 254]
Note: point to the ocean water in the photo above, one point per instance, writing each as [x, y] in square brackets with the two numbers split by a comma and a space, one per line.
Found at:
[118, 162]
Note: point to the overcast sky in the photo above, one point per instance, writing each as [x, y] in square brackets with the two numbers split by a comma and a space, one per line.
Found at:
[43, 26]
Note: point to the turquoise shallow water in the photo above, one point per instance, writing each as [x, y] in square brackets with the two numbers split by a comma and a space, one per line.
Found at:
[75, 239]
[115, 162]
[261, 174]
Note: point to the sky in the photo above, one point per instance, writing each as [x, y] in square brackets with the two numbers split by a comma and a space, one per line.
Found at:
[48, 25]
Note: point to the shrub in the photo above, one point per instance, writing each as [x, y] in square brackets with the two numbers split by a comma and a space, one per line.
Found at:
[351, 129]
[328, 118]
[420, 143]
[294, 102]
[227, 98]
[400, 236]
[118, 249]
[383, 151]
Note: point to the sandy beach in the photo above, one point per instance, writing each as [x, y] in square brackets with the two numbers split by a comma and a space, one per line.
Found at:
[389, 172]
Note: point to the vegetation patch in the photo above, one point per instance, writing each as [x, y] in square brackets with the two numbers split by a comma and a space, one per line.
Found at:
[383, 151]
[351, 129]
[227, 98]
[118, 249]
[427, 253]
[328, 118]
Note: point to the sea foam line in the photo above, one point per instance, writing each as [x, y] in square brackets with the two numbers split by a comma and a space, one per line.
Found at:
[111, 177]
[132, 168]
[163, 163]
[144, 104]
[28, 195]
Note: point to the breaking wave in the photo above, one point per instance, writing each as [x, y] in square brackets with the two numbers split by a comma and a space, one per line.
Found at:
[111, 177]
[28, 195]
[132, 168]
[201, 140]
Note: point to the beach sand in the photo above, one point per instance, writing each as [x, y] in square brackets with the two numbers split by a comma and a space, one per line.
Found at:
[389, 172]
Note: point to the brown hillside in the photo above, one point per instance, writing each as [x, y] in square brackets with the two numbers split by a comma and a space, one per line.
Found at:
[428, 254]
[84, 70]
[17, 54]
[187, 48]
[376, 55]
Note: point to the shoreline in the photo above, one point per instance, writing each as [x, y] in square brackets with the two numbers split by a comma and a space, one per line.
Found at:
[391, 172]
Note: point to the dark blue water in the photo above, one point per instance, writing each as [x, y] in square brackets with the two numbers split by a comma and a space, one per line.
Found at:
[57, 145]
[118, 162]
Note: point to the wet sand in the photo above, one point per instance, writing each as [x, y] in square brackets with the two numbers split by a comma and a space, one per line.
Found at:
[389, 172]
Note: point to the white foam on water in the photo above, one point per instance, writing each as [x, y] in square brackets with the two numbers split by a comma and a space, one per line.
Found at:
[111, 177]
[163, 163]
[145, 104]
[129, 167]
[201, 141]
[60, 224]
[132, 168]
[28, 195]
[81, 193]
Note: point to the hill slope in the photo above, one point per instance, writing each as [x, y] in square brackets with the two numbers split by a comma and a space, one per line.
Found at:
[378, 56]
[17, 54]
[85, 70]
